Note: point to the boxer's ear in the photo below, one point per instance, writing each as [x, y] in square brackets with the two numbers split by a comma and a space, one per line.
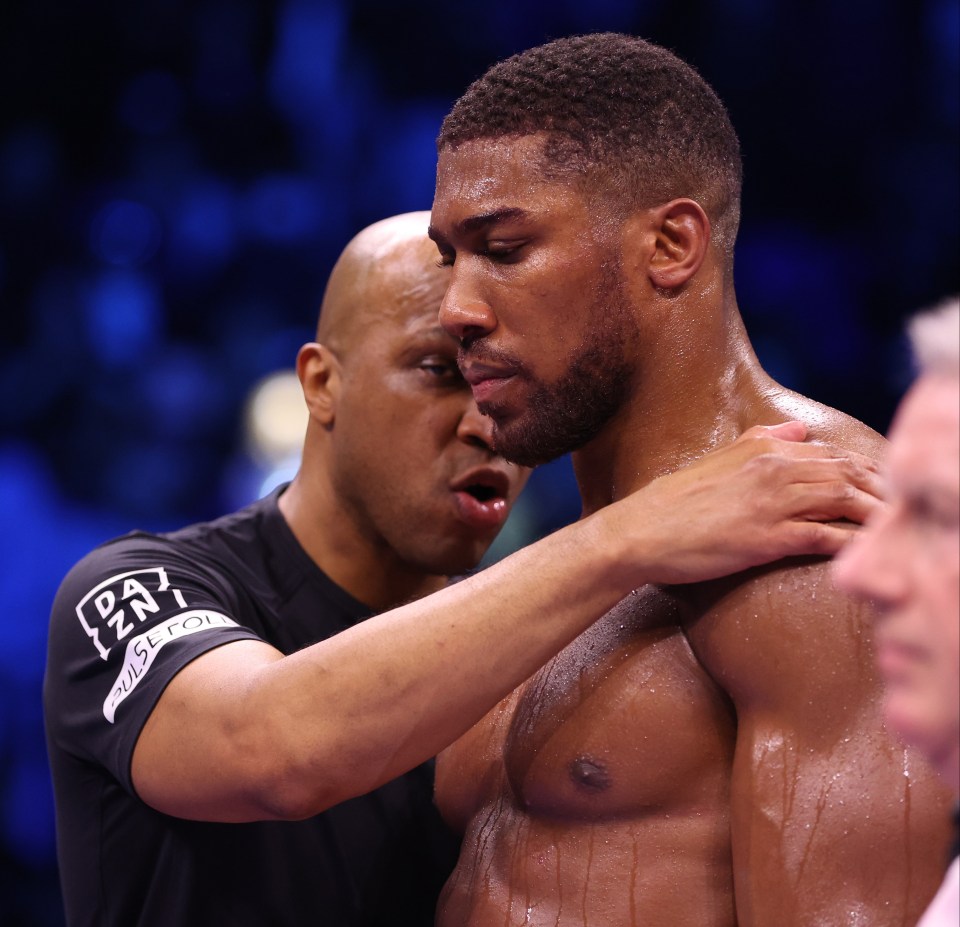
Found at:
[678, 239]
[319, 371]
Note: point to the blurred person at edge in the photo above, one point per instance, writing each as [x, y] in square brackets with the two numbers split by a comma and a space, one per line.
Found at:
[907, 563]
[237, 738]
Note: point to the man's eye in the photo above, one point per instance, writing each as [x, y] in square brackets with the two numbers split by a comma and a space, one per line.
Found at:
[502, 253]
[930, 516]
[441, 369]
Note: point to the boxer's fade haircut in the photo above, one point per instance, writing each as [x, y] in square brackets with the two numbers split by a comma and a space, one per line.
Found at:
[627, 118]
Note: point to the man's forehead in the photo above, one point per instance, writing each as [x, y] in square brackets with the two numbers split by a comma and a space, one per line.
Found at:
[402, 271]
[485, 182]
[514, 150]
[400, 334]
[399, 302]
[420, 320]
[925, 437]
[412, 308]
[489, 174]
[426, 328]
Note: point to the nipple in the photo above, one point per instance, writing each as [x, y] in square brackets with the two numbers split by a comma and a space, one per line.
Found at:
[589, 775]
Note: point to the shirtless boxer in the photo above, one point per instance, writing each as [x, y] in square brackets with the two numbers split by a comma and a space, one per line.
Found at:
[708, 755]
[234, 740]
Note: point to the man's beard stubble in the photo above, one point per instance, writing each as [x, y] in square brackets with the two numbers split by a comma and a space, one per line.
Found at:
[565, 415]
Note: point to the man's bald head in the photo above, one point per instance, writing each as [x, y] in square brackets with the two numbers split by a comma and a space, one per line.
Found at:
[398, 479]
[381, 270]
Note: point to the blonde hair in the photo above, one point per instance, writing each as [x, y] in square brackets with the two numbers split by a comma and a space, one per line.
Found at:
[935, 338]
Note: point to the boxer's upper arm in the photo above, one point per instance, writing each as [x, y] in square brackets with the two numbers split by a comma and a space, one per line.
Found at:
[832, 820]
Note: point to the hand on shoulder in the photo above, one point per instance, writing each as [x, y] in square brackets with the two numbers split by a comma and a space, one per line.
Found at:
[768, 495]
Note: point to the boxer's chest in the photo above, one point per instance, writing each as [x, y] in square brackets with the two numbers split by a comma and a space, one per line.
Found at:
[623, 721]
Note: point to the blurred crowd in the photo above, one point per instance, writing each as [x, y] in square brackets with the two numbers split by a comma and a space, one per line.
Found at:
[177, 178]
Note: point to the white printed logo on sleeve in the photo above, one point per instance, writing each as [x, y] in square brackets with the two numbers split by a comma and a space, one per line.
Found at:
[115, 608]
[142, 649]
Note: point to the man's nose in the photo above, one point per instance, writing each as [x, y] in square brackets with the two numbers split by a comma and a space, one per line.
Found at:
[463, 314]
[872, 566]
[474, 428]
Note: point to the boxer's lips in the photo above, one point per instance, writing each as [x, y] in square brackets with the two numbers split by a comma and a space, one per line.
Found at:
[480, 498]
[486, 379]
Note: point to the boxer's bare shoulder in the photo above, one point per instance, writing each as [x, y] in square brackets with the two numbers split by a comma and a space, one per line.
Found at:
[796, 658]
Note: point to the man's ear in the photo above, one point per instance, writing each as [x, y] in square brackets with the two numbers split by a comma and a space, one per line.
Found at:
[319, 371]
[677, 238]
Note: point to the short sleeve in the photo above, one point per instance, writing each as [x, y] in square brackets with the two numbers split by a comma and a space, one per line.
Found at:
[125, 621]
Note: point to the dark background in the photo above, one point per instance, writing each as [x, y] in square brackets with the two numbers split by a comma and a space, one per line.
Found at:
[177, 178]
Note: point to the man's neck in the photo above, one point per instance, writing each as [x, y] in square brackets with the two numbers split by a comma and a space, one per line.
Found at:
[695, 395]
[376, 578]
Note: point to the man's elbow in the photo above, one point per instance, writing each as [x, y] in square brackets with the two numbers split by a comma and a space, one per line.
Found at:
[293, 787]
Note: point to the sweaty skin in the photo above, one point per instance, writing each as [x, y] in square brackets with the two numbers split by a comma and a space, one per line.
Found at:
[399, 488]
[707, 755]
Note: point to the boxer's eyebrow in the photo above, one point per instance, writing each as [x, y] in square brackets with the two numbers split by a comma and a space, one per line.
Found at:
[481, 221]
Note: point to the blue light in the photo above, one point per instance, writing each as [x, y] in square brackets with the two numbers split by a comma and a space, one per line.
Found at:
[943, 32]
[283, 208]
[125, 233]
[203, 228]
[942, 28]
[184, 393]
[308, 50]
[123, 315]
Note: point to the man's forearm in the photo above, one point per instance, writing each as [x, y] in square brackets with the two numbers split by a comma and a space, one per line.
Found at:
[267, 735]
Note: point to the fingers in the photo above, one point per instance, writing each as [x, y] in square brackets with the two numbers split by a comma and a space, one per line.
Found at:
[816, 538]
[785, 431]
[830, 501]
[819, 489]
[789, 462]
[862, 474]
[792, 454]
[841, 453]
[787, 439]
[766, 496]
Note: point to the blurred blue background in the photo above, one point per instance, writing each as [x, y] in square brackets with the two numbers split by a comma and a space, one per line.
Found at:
[177, 179]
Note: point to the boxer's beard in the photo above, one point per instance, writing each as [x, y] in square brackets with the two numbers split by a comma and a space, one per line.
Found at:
[565, 415]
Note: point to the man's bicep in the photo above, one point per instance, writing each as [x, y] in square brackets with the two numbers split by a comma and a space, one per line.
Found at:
[833, 821]
[849, 832]
[193, 758]
[828, 812]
